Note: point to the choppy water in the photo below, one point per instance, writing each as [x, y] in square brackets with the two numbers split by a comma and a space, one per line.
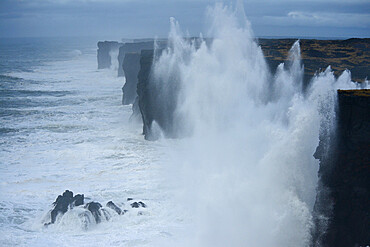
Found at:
[244, 175]
[62, 126]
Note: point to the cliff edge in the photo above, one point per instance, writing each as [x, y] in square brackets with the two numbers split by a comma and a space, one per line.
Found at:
[344, 199]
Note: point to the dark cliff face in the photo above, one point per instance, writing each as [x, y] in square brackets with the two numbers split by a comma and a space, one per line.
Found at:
[104, 49]
[157, 101]
[135, 47]
[131, 66]
[343, 200]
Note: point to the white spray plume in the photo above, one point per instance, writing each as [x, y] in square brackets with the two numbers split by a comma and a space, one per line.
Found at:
[247, 170]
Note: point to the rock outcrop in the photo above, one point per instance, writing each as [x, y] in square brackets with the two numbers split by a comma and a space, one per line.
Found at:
[89, 212]
[104, 53]
[342, 214]
[131, 66]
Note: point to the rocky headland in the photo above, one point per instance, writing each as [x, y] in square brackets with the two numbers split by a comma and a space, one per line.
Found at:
[104, 53]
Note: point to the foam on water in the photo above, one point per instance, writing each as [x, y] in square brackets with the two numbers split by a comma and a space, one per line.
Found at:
[244, 175]
[72, 132]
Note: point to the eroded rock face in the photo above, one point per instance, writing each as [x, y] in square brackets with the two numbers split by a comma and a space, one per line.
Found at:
[136, 47]
[104, 50]
[157, 100]
[131, 66]
[343, 200]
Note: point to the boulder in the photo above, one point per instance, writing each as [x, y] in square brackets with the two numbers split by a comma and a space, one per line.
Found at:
[64, 202]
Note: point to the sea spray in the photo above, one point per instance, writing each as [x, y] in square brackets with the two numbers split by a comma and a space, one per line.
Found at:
[246, 166]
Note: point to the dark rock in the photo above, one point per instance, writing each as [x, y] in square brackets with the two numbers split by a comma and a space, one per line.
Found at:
[113, 206]
[131, 66]
[130, 199]
[78, 200]
[136, 47]
[104, 50]
[67, 201]
[157, 99]
[94, 208]
[342, 215]
[138, 205]
[64, 202]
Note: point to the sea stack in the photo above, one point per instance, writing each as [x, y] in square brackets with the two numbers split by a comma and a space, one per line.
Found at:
[104, 53]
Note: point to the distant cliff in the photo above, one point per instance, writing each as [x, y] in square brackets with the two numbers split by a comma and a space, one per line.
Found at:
[136, 47]
[131, 66]
[351, 54]
[104, 50]
[342, 208]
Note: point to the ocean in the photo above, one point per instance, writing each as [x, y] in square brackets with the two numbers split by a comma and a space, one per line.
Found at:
[62, 126]
[243, 172]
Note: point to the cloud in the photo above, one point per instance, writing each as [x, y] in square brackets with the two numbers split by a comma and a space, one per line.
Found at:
[321, 19]
[133, 18]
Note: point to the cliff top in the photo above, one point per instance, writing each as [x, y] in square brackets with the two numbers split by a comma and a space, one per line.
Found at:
[355, 92]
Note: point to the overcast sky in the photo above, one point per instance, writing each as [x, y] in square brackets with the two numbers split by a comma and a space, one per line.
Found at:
[148, 18]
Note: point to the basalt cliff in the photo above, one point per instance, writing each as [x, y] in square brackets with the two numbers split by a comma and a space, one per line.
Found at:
[342, 205]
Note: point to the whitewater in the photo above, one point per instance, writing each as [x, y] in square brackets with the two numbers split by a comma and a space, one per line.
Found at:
[242, 175]
[63, 127]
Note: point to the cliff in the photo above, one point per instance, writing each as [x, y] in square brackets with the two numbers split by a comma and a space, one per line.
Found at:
[343, 199]
[135, 47]
[131, 66]
[104, 50]
[351, 54]
[157, 101]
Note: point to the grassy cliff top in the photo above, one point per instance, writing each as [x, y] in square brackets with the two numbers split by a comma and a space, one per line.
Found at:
[317, 55]
[355, 92]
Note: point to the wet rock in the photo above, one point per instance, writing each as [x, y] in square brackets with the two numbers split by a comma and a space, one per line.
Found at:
[138, 205]
[113, 206]
[89, 212]
[64, 202]
[94, 208]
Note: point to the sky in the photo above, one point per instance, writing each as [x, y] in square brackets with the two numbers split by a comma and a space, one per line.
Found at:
[117, 19]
